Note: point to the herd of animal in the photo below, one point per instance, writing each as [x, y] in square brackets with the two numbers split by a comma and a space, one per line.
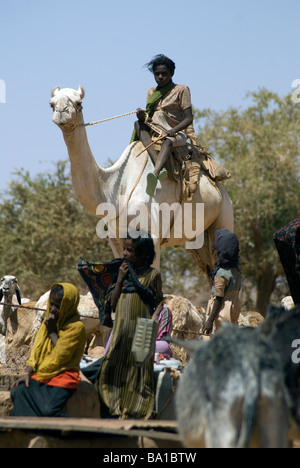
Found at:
[239, 389]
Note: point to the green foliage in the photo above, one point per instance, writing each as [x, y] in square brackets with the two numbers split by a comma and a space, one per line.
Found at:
[44, 231]
[260, 147]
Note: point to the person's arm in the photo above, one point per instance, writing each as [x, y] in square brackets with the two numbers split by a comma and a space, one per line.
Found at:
[50, 323]
[207, 329]
[141, 114]
[157, 312]
[220, 284]
[188, 120]
[123, 272]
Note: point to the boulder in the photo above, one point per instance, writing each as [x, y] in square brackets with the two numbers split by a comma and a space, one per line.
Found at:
[250, 319]
[85, 401]
[5, 404]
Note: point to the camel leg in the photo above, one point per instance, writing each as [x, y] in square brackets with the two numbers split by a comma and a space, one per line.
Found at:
[203, 257]
[156, 262]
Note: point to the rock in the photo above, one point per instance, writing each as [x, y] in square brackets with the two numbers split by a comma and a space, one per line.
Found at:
[250, 319]
[5, 404]
[85, 401]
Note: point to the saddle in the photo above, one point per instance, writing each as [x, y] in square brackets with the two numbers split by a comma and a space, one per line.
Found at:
[188, 161]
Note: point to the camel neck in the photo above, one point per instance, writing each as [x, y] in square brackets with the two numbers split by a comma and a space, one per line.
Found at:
[85, 172]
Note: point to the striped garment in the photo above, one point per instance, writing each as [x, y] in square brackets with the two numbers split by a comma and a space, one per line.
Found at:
[165, 323]
[127, 391]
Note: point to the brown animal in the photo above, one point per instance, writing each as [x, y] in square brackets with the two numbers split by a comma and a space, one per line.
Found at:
[188, 322]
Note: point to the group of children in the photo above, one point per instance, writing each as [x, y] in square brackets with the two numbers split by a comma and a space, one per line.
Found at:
[126, 390]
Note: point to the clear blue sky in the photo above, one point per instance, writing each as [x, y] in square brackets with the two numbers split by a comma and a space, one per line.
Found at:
[222, 50]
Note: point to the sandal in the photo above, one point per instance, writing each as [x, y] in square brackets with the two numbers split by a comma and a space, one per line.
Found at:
[163, 174]
[151, 184]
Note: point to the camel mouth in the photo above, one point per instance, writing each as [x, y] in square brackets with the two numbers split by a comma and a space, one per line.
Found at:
[60, 122]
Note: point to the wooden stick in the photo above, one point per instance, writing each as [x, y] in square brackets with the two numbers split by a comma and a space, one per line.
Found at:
[153, 142]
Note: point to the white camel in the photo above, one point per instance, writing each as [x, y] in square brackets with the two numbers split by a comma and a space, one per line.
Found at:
[122, 186]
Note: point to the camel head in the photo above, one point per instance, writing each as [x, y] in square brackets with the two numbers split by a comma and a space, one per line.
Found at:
[67, 107]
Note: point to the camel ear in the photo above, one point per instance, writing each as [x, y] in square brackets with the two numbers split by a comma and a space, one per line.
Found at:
[81, 92]
[18, 294]
[55, 91]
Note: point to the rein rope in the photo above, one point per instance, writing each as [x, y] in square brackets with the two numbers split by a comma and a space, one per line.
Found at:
[107, 120]
[21, 306]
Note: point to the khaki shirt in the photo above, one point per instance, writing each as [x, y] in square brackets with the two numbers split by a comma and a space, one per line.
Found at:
[169, 111]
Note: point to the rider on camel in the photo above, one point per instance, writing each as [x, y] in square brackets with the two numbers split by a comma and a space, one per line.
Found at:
[168, 112]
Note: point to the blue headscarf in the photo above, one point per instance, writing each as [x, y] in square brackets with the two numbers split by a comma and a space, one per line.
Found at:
[227, 245]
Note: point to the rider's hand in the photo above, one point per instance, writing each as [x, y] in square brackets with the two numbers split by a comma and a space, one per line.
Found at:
[141, 114]
[171, 133]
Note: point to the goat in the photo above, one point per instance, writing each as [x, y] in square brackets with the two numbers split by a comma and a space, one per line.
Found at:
[241, 388]
[8, 287]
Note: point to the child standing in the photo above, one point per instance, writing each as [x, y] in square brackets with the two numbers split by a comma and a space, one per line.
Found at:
[224, 304]
[125, 390]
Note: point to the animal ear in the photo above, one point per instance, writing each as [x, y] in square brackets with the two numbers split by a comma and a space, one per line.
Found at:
[18, 294]
[55, 91]
[81, 92]
[1, 294]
